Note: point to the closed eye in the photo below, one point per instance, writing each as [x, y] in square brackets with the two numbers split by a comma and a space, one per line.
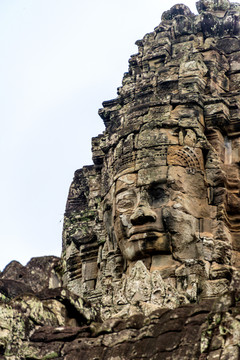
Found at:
[125, 204]
[158, 194]
[125, 201]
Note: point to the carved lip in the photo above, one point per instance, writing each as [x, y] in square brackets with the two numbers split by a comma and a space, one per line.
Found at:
[145, 233]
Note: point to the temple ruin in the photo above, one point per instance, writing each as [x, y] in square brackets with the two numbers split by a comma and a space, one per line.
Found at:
[150, 265]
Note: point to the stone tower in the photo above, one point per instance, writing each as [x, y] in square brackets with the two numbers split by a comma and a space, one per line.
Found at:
[155, 221]
[151, 247]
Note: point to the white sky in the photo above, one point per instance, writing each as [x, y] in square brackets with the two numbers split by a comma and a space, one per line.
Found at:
[60, 59]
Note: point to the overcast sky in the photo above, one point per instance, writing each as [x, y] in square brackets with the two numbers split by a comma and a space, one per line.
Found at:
[60, 59]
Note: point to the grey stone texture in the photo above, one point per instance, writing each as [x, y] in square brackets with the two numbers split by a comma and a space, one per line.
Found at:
[155, 221]
[151, 237]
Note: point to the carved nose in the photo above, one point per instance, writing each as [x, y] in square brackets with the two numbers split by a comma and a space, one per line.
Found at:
[143, 215]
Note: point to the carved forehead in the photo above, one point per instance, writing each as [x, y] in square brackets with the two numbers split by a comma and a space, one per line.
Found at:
[178, 178]
[143, 177]
[125, 181]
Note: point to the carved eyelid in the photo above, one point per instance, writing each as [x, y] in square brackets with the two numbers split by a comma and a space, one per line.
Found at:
[156, 188]
[128, 197]
[125, 189]
[157, 185]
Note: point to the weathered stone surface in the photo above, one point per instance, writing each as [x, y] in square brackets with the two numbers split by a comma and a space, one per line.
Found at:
[11, 288]
[39, 273]
[209, 330]
[155, 220]
[151, 235]
[50, 334]
[28, 322]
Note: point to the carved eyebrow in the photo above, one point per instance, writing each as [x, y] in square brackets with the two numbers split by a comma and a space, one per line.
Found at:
[124, 188]
[159, 183]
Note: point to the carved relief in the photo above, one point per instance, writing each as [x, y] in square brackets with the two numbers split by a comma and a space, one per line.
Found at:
[186, 157]
[155, 221]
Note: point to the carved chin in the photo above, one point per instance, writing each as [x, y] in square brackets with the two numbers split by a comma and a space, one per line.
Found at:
[141, 245]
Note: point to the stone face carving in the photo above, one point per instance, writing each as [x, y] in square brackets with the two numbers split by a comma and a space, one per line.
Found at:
[156, 220]
[154, 223]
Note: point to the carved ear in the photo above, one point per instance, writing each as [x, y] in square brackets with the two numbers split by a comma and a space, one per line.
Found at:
[114, 240]
[108, 220]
